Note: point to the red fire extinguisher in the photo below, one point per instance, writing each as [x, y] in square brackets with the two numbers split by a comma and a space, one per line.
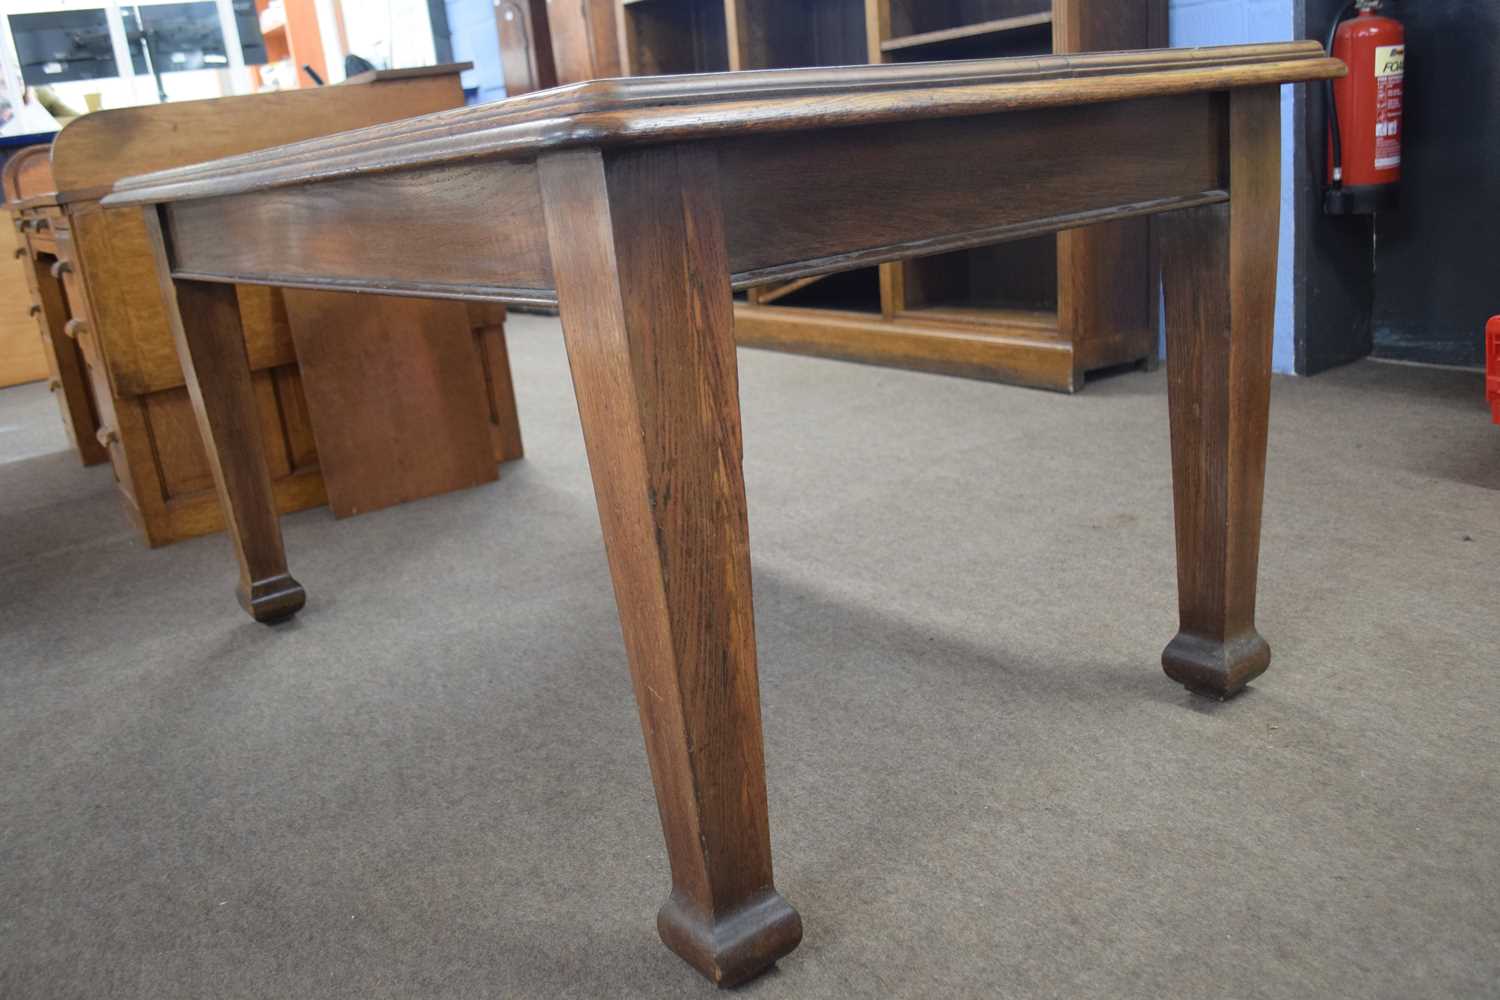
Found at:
[1364, 111]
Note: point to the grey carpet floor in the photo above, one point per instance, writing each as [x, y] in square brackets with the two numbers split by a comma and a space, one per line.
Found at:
[432, 783]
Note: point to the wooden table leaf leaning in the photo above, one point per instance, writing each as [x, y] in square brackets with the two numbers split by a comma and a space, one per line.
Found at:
[637, 206]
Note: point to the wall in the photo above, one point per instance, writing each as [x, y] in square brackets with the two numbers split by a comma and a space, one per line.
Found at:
[395, 34]
[1437, 257]
[472, 24]
[1335, 278]
[1235, 22]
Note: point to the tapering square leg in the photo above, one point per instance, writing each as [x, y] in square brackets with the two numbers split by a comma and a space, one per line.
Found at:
[643, 287]
[1219, 286]
[205, 321]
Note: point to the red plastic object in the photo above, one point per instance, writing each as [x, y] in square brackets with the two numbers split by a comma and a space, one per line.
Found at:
[1492, 365]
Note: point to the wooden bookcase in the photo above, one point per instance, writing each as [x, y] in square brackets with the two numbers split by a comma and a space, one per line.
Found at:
[1044, 311]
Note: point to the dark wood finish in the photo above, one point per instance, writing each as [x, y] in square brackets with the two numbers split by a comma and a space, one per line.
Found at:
[1135, 165]
[967, 31]
[258, 241]
[792, 211]
[1107, 301]
[644, 295]
[673, 36]
[526, 59]
[638, 111]
[912, 17]
[205, 320]
[656, 196]
[1102, 306]
[427, 433]
[789, 34]
[1220, 290]
[488, 321]
[585, 39]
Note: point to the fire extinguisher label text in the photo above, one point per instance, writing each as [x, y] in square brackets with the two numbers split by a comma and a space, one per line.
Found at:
[1390, 60]
[1390, 68]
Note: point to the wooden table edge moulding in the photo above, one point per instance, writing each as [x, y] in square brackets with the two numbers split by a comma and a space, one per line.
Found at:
[637, 206]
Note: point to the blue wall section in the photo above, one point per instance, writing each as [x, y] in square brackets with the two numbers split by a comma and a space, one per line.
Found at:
[472, 24]
[1233, 22]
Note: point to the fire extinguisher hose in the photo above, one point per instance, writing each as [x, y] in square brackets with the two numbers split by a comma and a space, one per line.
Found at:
[1336, 151]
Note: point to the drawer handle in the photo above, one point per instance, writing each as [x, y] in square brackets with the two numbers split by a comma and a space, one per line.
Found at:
[53, 385]
[35, 310]
[106, 437]
[74, 327]
[61, 268]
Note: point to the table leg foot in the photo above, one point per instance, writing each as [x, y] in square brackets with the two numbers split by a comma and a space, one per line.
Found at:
[731, 948]
[1216, 668]
[274, 600]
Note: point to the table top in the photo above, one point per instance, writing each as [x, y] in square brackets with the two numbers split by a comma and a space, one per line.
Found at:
[641, 110]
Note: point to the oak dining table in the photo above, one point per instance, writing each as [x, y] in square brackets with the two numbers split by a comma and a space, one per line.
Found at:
[637, 207]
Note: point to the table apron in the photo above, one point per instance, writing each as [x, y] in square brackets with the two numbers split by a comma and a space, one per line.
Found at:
[794, 203]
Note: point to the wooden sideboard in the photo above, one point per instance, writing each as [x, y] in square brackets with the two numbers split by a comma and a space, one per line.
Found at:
[29, 196]
[97, 296]
[22, 355]
[1043, 311]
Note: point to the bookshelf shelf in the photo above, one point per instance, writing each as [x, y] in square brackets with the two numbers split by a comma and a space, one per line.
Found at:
[968, 32]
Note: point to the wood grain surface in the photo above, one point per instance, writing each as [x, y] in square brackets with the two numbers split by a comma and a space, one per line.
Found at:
[395, 390]
[1219, 278]
[647, 110]
[639, 249]
[205, 321]
[96, 150]
[654, 199]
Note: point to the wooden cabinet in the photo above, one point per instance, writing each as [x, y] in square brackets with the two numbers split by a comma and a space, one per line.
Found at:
[36, 218]
[23, 355]
[544, 43]
[585, 39]
[294, 40]
[1042, 311]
